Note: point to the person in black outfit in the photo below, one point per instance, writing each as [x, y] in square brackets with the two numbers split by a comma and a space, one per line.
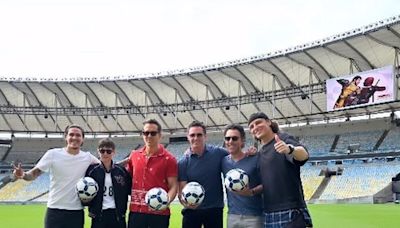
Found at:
[109, 206]
[280, 158]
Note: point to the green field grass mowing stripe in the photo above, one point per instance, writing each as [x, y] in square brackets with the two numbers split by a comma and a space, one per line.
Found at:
[324, 216]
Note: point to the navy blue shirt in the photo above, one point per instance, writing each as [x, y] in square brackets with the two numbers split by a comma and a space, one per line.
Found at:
[244, 205]
[206, 170]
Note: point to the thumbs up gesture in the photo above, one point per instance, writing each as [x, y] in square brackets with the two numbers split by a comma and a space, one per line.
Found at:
[280, 146]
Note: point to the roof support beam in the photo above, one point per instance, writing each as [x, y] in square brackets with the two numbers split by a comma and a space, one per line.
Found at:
[359, 54]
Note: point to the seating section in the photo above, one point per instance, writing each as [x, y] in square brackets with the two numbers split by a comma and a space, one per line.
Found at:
[122, 152]
[42, 198]
[178, 149]
[318, 145]
[366, 139]
[2, 175]
[216, 141]
[21, 190]
[311, 180]
[359, 180]
[11, 191]
[3, 151]
[391, 141]
[360, 177]
[30, 150]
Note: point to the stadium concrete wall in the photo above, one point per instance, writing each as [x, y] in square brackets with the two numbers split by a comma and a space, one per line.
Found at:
[385, 195]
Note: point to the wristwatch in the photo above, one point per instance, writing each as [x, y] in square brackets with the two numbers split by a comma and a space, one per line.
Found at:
[291, 148]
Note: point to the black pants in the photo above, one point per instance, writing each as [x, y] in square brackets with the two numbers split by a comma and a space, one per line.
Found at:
[210, 218]
[108, 219]
[141, 220]
[59, 218]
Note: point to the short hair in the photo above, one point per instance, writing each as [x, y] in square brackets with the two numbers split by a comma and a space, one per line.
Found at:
[197, 123]
[73, 126]
[237, 127]
[106, 142]
[153, 121]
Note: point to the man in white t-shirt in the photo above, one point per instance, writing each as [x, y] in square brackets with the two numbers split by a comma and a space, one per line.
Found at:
[66, 166]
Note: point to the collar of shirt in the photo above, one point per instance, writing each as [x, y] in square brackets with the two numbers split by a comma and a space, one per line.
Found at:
[160, 152]
[191, 153]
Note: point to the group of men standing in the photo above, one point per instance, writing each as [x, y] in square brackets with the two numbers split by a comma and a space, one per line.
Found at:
[273, 197]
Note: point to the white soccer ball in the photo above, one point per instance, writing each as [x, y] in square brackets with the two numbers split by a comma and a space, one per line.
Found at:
[157, 199]
[193, 194]
[87, 189]
[236, 180]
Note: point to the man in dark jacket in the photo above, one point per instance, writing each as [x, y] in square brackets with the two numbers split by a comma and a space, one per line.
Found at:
[109, 206]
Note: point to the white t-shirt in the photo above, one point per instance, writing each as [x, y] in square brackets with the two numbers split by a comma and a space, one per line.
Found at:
[108, 197]
[65, 170]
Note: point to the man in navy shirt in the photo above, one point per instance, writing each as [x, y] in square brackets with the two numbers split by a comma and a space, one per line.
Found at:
[244, 207]
[202, 163]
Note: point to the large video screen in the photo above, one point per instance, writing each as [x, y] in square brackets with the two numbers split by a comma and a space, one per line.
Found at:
[363, 88]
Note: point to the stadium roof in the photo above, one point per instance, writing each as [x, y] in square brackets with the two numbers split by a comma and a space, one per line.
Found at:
[289, 85]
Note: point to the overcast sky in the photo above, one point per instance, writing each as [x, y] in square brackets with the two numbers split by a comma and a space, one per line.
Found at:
[70, 38]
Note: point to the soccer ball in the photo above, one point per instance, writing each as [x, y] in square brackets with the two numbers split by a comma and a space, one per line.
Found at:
[193, 194]
[236, 180]
[157, 199]
[87, 189]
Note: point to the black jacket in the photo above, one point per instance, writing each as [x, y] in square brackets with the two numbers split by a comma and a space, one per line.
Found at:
[122, 183]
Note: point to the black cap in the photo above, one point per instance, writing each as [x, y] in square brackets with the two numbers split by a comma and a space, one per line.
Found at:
[257, 115]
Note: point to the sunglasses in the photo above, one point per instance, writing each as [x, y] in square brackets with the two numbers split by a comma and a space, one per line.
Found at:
[194, 135]
[234, 138]
[152, 133]
[108, 151]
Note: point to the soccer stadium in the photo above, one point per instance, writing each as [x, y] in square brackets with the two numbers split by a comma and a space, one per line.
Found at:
[352, 178]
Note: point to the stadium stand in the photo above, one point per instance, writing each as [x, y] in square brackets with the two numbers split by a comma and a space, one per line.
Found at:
[360, 177]
[360, 180]
[391, 141]
[366, 140]
[21, 190]
[318, 145]
[42, 199]
[30, 150]
[11, 192]
[178, 148]
[311, 179]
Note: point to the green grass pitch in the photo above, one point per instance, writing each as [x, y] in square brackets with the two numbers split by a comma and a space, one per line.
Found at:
[324, 216]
